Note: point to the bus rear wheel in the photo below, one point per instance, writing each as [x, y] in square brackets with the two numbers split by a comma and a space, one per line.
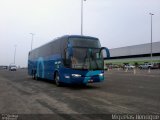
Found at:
[34, 75]
[57, 79]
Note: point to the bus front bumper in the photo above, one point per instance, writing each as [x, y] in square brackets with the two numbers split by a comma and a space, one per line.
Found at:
[86, 79]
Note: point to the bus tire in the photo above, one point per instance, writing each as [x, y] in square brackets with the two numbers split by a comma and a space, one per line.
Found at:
[57, 79]
[35, 77]
[32, 74]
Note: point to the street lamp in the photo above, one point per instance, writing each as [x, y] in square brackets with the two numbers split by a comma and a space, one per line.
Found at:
[15, 53]
[82, 16]
[151, 35]
[32, 40]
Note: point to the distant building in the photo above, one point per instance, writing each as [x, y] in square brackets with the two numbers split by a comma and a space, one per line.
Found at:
[135, 54]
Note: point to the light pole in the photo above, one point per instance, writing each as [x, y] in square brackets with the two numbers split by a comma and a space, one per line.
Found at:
[32, 40]
[15, 54]
[82, 16]
[151, 35]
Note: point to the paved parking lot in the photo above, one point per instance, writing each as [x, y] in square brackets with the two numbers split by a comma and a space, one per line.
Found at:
[122, 92]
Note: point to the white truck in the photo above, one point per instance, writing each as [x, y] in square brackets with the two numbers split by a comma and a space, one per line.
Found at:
[146, 66]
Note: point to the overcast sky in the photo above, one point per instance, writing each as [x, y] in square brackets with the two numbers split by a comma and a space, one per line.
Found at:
[116, 23]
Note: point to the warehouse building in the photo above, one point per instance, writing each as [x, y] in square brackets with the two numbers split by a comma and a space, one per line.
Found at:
[135, 54]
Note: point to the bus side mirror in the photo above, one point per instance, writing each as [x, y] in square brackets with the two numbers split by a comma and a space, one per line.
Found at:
[105, 52]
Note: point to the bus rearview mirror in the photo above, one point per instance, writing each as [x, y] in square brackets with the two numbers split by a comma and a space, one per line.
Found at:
[105, 52]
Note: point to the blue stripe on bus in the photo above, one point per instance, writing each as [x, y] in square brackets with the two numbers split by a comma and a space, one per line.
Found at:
[90, 74]
[40, 67]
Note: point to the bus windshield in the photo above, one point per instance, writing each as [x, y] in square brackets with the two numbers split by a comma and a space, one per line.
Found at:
[87, 58]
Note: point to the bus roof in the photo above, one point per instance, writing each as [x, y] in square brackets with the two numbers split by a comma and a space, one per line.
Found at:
[81, 36]
[67, 36]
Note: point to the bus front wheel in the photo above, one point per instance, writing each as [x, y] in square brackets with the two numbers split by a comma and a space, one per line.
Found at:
[57, 79]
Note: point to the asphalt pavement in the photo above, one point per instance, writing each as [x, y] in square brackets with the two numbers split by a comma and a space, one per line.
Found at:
[129, 92]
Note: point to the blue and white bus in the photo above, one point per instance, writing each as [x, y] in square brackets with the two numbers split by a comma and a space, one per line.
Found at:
[71, 59]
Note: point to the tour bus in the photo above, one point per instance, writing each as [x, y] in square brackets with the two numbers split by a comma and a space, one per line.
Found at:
[71, 59]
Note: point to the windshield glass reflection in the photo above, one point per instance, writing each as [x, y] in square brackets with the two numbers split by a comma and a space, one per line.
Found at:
[87, 58]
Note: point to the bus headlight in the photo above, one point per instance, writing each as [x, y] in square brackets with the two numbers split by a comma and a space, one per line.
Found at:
[67, 76]
[76, 75]
[101, 74]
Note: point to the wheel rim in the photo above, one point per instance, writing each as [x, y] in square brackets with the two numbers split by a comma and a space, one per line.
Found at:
[57, 79]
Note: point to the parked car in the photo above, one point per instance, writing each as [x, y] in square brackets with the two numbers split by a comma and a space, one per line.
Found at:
[5, 67]
[12, 67]
[155, 66]
[146, 66]
[129, 66]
